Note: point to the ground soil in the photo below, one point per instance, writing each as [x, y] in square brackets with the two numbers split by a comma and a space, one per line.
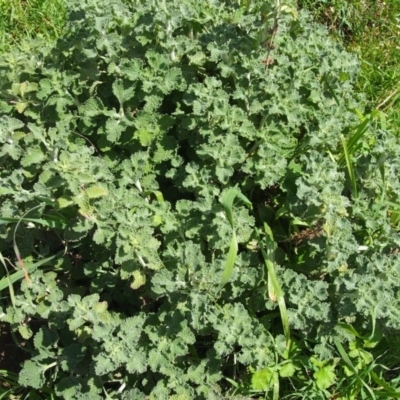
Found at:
[11, 356]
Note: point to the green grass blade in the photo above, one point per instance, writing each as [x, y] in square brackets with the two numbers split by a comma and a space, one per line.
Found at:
[358, 134]
[50, 222]
[350, 329]
[350, 168]
[396, 206]
[227, 202]
[4, 282]
[156, 193]
[354, 139]
[389, 391]
[275, 387]
[229, 198]
[10, 286]
[15, 246]
[345, 357]
[276, 292]
[270, 253]
[230, 261]
[350, 365]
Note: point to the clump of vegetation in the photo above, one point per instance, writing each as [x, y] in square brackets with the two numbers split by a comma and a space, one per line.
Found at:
[27, 19]
[197, 206]
[24, 21]
[370, 29]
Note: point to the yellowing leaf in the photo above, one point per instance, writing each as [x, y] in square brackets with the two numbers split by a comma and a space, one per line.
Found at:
[144, 136]
[156, 220]
[287, 370]
[262, 380]
[64, 202]
[95, 192]
[25, 331]
[139, 279]
[21, 106]
[101, 307]
[22, 88]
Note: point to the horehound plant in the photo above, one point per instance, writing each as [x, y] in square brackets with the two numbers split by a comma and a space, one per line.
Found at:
[130, 133]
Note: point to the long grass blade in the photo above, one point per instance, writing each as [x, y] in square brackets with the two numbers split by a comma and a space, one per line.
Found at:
[4, 282]
[349, 164]
[230, 261]
[358, 133]
[15, 246]
[227, 202]
[395, 206]
[10, 286]
[389, 391]
[50, 221]
[275, 291]
[275, 387]
[350, 365]
[228, 199]
[345, 357]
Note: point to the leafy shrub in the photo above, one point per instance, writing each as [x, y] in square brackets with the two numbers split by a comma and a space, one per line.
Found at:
[126, 136]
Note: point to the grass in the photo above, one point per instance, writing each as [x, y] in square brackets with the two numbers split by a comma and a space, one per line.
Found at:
[9, 387]
[23, 19]
[371, 29]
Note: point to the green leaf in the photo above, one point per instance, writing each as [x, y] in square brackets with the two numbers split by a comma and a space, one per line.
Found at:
[63, 202]
[325, 377]
[123, 91]
[32, 375]
[145, 137]
[114, 129]
[33, 156]
[264, 379]
[94, 192]
[287, 369]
